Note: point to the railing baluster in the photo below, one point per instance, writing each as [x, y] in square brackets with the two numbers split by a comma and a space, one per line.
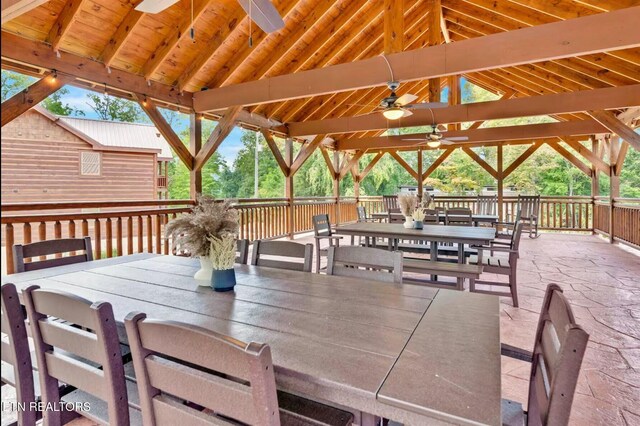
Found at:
[98, 238]
[85, 228]
[149, 235]
[42, 235]
[119, 236]
[26, 233]
[72, 232]
[130, 235]
[164, 236]
[109, 237]
[140, 234]
[158, 233]
[9, 241]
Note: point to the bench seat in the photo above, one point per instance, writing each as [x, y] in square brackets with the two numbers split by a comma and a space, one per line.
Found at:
[442, 250]
[447, 269]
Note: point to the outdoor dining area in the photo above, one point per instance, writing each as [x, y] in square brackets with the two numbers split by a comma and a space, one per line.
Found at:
[344, 307]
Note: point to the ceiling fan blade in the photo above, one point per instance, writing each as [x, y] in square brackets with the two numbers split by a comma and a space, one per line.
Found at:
[264, 14]
[154, 6]
[427, 105]
[457, 138]
[406, 113]
[421, 139]
[406, 99]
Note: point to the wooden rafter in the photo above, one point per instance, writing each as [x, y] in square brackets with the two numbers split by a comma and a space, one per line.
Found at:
[61, 27]
[611, 122]
[432, 168]
[614, 97]
[23, 101]
[167, 132]
[120, 37]
[571, 158]
[404, 164]
[305, 153]
[179, 33]
[276, 151]
[393, 26]
[351, 163]
[475, 157]
[328, 161]
[587, 154]
[11, 9]
[222, 130]
[578, 36]
[490, 134]
[371, 165]
[622, 154]
[521, 159]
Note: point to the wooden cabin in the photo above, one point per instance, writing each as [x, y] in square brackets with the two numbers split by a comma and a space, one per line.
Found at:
[51, 158]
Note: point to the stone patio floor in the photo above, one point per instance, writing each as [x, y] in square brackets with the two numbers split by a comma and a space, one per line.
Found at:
[602, 282]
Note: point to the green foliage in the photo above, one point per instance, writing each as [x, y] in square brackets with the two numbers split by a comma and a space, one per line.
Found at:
[114, 109]
[13, 82]
[55, 104]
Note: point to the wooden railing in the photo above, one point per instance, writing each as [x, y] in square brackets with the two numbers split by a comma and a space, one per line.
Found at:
[162, 181]
[126, 227]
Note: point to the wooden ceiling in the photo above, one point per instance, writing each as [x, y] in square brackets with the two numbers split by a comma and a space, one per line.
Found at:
[318, 33]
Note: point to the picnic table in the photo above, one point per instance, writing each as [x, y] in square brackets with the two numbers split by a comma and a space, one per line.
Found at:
[475, 218]
[413, 354]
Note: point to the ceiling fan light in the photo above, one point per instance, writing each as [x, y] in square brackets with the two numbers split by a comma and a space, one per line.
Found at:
[433, 144]
[393, 113]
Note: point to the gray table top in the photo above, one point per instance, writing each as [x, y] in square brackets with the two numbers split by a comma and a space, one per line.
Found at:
[454, 234]
[341, 340]
[475, 217]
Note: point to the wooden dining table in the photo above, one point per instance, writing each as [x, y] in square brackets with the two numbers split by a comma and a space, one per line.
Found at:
[475, 218]
[412, 354]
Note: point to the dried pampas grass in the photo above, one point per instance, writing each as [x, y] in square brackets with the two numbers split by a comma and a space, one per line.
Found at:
[407, 203]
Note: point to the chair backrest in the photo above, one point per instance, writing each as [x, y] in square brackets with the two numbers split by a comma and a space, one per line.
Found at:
[264, 250]
[431, 216]
[362, 214]
[529, 206]
[458, 217]
[365, 262]
[177, 362]
[15, 351]
[390, 202]
[242, 251]
[394, 216]
[83, 350]
[56, 247]
[557, 355]
[487, 204]
[321, 225]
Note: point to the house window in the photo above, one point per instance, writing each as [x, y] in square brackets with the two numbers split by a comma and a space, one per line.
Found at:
[90, 163]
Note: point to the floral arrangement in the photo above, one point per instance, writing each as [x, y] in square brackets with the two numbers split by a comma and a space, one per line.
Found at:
[208, 219]
[427, 201]
[222, 252]
[418, 214]
[407, 203]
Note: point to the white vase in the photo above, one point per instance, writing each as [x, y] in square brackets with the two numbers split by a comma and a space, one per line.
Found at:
[204, 273]
[408, 222]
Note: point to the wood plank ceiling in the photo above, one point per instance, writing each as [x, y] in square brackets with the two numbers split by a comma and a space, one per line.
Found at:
[318, 33]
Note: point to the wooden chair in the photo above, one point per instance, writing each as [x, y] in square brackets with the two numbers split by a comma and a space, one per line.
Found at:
[322, 231]
[487, 205]
[394, 216]
[458, 217]
[500, 265]
[17, 369]
[242, 251]
[82, 351]
[223, 380]
[51, 247]
[528, 207]
[390, 202]
[287, 249]
[557, 355]
[362, 218]
[365, 262]
[431, 216]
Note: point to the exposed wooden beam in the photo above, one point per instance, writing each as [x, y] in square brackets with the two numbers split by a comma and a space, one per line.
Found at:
[328, 161]
[39, 54]
[23, 101]
[434, 20]
[624, 148]
[432, 168]
[556, 40]
[351, 163]
[404, 164]
[11, 9]
[629, 115]
[180, 32]
[443, 26]
[222, 130]
[120, 37]
[195, 144]
[587, 154]
[167, 132]
[611, 122]
[305, 153]
[60, 28]
[393, 26]
[571, 158]
[521, 159]
[490, 134]
[276, 151]
[371, 164]
[561, 103]
[475, 157]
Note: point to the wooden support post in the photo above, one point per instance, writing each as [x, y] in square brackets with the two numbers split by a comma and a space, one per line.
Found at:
[435, 38]
[500, 180]
[356, 181]
[195, 144]
[288, 187]
[393, 26]
[420, 171]
[336, 184]
[595, 177]
[614, 184]
[455, 95]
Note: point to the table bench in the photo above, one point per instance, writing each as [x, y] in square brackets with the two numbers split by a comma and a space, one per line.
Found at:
[435, 268]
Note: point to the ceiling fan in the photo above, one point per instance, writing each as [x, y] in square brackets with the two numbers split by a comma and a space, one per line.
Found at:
[394, 107]
[436, 138]
[262, 12]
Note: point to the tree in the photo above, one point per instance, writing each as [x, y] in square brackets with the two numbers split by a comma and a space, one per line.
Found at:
[13, 82]
[114, 109]
[55, 104]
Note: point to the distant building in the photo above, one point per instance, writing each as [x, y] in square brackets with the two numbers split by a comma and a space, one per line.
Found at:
[51, 158]
[412, 189]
